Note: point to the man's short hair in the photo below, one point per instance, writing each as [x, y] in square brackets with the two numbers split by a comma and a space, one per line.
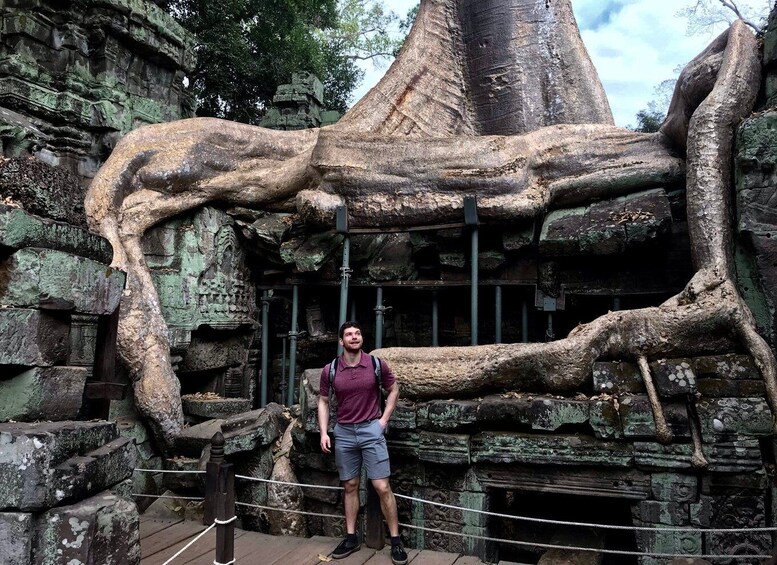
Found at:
[346, 325]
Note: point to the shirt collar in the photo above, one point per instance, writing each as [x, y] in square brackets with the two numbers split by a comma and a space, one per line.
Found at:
[363, 362]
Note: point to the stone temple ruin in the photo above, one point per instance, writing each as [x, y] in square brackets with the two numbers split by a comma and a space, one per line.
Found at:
[568, 306]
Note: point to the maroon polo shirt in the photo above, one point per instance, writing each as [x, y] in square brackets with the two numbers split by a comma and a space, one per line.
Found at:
[356, 390]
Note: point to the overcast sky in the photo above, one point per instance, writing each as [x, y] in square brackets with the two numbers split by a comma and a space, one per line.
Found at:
[634, 45]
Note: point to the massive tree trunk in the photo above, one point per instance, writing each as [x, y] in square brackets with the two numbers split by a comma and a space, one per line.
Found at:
[412, 149]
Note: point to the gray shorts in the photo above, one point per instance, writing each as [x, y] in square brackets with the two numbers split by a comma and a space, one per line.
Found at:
[361, 443]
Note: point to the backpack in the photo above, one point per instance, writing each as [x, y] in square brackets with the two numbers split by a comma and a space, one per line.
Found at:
[378, 378]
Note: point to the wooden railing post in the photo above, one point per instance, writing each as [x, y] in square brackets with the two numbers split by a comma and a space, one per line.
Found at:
[373, 530]
[220, 499]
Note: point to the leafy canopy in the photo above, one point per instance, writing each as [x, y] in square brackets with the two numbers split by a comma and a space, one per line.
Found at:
[246, 48]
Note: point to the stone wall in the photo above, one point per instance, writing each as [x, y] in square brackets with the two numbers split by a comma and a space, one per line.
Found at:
[592, 448]
[64, 490]
[64, 495]
[76, 76]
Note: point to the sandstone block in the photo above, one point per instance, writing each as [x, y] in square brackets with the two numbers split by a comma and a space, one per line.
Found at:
[49, 279]
[674, 487]
[19, 229]
[508, 447]
[102, 529]
[31, 337]
[30, 455]
[740, 456]
[638, 421]
[673, 377]
[605, 420]
[99, 469]
[551, 413]
[446, 415]
[243, 432]
[660, 512]
[43, 393]
[616, 377]
[448, 449]
[208, 408]
[721, 417]
[16, 538]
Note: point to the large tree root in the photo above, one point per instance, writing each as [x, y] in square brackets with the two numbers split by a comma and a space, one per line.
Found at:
[160, 171]
[714, 321]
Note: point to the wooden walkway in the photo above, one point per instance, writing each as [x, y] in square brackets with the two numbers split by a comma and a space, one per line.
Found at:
[161, 538]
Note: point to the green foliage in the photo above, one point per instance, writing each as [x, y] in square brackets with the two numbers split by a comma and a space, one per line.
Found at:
[405, 24]
[246, 48]
[364, 30]
[705, 15]
[649, 120]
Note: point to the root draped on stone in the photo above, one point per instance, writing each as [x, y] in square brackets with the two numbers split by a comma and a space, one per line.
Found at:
[391, 165]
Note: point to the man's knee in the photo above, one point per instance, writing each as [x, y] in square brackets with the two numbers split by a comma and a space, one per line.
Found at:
[351, 485]
[382, 487]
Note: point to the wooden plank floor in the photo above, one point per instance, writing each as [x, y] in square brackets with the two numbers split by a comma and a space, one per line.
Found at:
[160, 539]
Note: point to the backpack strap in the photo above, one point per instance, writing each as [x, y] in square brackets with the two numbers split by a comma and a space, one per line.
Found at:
[379, 381]
[332, 371]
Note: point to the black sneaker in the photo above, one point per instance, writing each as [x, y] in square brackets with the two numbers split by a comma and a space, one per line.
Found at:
[346, 548]
[398, 555]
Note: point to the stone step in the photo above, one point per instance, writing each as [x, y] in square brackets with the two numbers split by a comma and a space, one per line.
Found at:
[43, 393]
[81, 476]
[31, 453]
[243, 432]
[214, 408]
[55, 280]
[32, 338]
[19, 229]
[102, 529]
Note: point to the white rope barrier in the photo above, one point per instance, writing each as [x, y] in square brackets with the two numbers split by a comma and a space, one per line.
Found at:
[573, 548]
[289, 511]
[200, 499]
[173, 471]
[589, 525]
[497, 515]
[258, 480]
[191, 543]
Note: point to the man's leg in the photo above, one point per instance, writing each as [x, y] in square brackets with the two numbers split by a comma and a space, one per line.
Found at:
[351, 487]
[388, 504]
[349, 461]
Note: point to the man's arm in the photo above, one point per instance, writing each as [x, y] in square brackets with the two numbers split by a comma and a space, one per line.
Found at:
[391, 403]
[323, 423]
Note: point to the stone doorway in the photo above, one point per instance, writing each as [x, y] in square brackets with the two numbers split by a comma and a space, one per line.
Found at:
[564, 508]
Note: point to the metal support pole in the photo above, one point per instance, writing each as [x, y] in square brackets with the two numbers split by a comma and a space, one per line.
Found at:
[292, 345]
[345, 271]
[435, 321]
[524, 322]
[474, 288]
[497, 314]
[353, 310]
[549, 334]
[379, 312]
[265, 349]
[471, 219]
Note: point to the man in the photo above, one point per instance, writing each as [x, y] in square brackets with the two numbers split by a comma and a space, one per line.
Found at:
[360, 434]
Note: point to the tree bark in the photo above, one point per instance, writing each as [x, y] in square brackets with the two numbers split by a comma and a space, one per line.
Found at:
[376, 161]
